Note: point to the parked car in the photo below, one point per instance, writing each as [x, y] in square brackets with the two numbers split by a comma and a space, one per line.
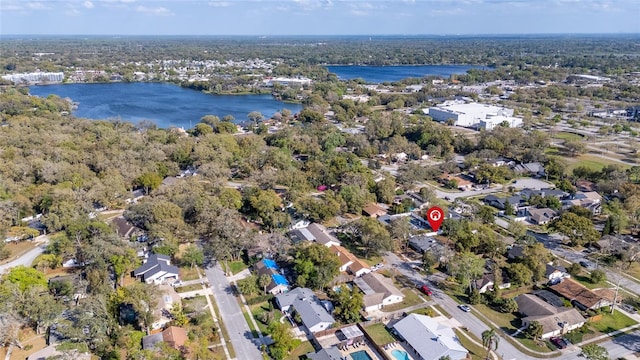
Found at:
[464, 308]
[177, 283]
[628, 308]
[425, 290]
[558, 342]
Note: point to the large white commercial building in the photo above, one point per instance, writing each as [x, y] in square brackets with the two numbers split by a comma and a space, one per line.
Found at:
[35, 77]
[474, 115]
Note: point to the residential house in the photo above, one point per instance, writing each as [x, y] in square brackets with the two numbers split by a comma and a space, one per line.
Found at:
[349, 262]
[611, 244]
[173, 336]
[314, 232]
[590, 200]
[279, 283]
[585, 186]
[425, 243]
[547, 192]
[429, 339]
[580, 295]
[305, 303]
[461, 184]
[487, 282]
[515, 252]
[157, 269]
[331, 353]
[378, 290]
[556, 273]
[515, 201]
[554, 320]
[125, 229]
[534, 169]
[168, 298]
[373, 210]
[541, 216]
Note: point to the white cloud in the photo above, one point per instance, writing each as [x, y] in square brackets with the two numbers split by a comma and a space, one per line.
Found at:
[219, 3]
[157, 11]
[88, 4]
[8, 5]
[37, 6]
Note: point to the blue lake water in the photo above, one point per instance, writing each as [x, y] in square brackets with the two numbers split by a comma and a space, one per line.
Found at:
[165, 104]
[380, 74]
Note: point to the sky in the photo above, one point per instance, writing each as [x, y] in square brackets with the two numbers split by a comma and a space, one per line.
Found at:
[317, 17]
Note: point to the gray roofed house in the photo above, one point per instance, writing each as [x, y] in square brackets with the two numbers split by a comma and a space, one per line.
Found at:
[554, 320]
[541, 216]
[424, 243]
[313, 314]
[157, 269]
[555, 273]
[533, 169]
[331, 353]
[378, 290]
[314, 232]
[149, 342]
[429, 338]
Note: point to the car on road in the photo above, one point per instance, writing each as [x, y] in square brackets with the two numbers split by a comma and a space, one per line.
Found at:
[586, 264]
[425, 290]
[464, 308]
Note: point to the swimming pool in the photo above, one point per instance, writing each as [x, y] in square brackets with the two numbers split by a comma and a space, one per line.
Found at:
[360, 355]
[399, 354]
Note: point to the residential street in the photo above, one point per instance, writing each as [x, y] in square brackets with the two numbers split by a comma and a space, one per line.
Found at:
[235, 323]
[618, 347]
[27, 258]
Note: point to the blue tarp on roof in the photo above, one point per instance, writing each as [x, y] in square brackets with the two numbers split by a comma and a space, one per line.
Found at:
[270, 264]
[279, 279]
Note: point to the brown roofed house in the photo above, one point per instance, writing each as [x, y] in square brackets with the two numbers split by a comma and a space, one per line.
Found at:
[579, 294]
[349, 262]
[373, 210]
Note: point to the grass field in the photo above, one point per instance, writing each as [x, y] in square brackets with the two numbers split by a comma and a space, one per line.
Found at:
[612, 322]
[188, 273]
[188, 288]
[477, 352]
[299, 352]
[563, 135]
[234, 266]
[379, 334]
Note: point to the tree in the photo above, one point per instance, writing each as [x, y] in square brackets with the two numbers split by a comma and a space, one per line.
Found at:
[400, 229]
[386, 190]
[248, 285]
[595, 352]
[193, 256]
[25, 277]
[124, 263]
[490, 341]
[255, 116]
[283, 339]
[149, 181]
[372, 236]
[597, 276]
[520, 273]
[466, 267]
[534, 330]
[485, 214]
[309, 115]
[574, 146]
[348, 302]
[578, 229]
[263, 281]
[315, 265]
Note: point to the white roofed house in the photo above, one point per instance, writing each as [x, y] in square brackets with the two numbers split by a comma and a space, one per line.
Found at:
[157, 269]
[427, 339]
[314, 232]
[378, 290]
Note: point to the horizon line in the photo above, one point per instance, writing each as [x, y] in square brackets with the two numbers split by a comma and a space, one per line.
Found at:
[338, 35]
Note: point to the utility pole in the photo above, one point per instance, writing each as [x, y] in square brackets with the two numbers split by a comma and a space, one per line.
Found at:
[615, 297]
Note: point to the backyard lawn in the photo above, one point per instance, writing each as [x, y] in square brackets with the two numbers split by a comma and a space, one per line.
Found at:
[302, 349]
[188, 273]
[612, 322]
[379, 334]
[234, 266]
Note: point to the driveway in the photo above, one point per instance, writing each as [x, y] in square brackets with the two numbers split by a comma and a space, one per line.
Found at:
[27, 258]
[229, 309]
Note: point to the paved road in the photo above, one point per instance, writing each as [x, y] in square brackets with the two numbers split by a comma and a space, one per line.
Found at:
[27, 258]
[237, 327]
[469, 320]
[553, 243]
[623, 345]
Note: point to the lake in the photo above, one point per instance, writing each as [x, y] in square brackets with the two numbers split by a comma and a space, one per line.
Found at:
[165, 104]
[380, 74]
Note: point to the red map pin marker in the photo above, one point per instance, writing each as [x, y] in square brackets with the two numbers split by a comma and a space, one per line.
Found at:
[435, 216]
